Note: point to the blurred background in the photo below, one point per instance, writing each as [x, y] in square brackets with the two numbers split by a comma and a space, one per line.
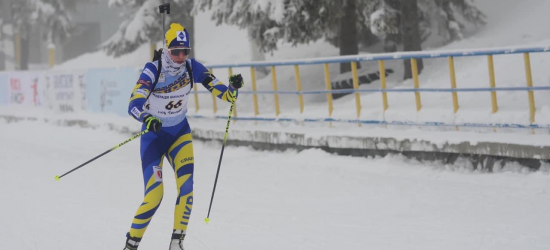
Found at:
[101, 45]
[38, 34]
[291, 177]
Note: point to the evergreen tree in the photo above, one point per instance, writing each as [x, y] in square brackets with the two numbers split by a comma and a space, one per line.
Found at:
[53, 17]
[450, 9]
[6, 34]
[410, 33]
[348, 43]
[342, 23]
[347, 24]
[409, 23]
[266, 19]
[449, 15]
[142, 24]
[385, 22]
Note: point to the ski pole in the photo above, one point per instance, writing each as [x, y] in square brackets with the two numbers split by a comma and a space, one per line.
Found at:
[207, 219]
[58, 177]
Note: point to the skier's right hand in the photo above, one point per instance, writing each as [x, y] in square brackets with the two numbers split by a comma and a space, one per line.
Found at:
[152, 123]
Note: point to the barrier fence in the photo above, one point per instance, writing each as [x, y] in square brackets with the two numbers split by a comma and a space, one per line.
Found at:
[107, 90]
[381, 58]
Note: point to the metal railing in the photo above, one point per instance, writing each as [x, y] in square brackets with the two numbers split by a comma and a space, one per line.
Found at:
[381, 58]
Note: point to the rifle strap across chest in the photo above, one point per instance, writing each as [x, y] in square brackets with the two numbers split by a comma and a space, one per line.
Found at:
[156, 57]
[188, 67]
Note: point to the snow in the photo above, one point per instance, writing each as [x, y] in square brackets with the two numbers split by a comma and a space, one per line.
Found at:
[275, 8]
[264, 200]
[113, 3]
[147, 18]
[455, 28]
[377, 25]
[97, 60]
[297, 200]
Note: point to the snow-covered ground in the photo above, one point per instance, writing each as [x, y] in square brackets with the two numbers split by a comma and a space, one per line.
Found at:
[264, 200]
[296, 200]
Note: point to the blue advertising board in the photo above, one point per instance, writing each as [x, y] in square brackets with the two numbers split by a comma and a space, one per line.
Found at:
[108, 90]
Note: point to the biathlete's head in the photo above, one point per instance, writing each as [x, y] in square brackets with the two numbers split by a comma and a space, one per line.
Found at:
[178, 42]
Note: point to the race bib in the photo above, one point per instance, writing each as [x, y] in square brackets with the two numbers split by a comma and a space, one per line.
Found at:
[166, 105]
[169, 102]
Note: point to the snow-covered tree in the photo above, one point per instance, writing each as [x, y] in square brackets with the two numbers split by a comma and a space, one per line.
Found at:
[385, 22]
[451, 16]
[264, 19]
[347, 24]
[449, 10]
[143, 23]
[53, 17]
[342, 23]
[410, 24]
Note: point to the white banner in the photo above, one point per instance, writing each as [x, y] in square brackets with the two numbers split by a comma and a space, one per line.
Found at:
[26, 89]
[66, 91]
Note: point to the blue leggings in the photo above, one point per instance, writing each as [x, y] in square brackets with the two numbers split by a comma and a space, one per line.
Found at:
[176, 144]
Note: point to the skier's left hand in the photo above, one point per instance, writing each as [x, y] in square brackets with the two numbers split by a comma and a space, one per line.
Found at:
[236, 81]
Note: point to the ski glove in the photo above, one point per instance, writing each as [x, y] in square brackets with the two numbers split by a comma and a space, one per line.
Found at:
[152, 123]
[236, 81]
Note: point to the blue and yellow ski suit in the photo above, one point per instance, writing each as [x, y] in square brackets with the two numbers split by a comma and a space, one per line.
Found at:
[168, 102]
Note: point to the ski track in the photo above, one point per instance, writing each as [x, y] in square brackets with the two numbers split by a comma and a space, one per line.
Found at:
[264, 200]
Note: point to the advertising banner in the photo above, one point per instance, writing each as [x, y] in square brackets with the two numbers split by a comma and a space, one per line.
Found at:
[108, 90]
[27, 89]
[66, 90]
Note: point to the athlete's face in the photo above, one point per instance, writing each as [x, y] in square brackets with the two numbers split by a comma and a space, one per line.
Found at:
[179, 54]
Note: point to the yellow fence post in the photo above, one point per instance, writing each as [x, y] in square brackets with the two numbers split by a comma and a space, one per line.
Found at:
[299, 88]
[492, 83]
[329, 88]
[382, 70]
[51, 52]
[414, 67]
[356, 87]
[453, 82]
[17, 39]
[276, 96]
[214, 104]
[235, 104]
[254, 96]
[530, 84]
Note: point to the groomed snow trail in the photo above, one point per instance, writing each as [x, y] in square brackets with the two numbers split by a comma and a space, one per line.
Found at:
[264, 200]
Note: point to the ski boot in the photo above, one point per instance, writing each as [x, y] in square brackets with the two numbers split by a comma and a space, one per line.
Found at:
[177, 240]
[131, 242]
